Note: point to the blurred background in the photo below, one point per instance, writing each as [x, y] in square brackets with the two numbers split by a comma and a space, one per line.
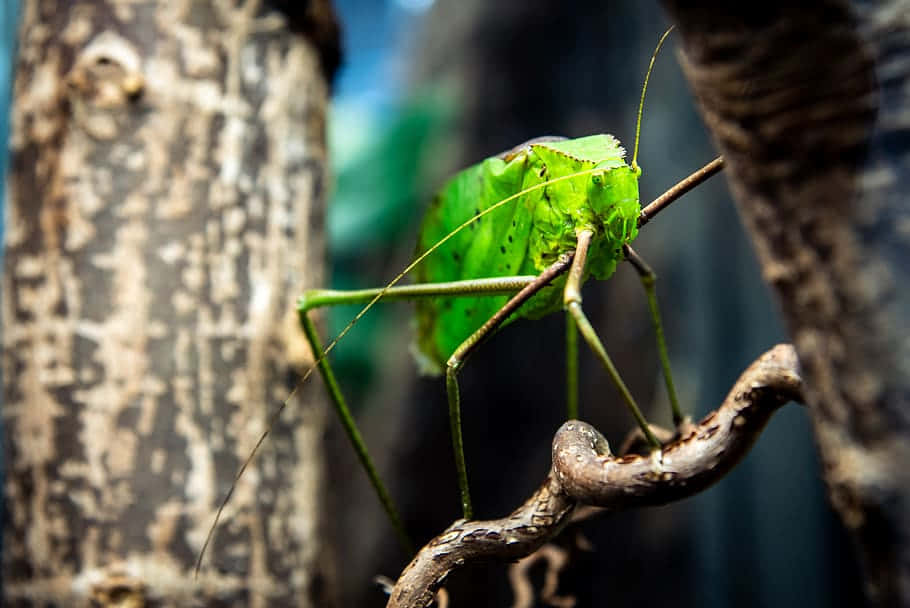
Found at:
[429, 87]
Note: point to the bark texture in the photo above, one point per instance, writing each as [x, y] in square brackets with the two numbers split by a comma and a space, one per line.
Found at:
[165, 208]
[810, 105]
[586, 472]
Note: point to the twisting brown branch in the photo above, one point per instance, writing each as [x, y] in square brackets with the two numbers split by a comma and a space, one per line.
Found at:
[585, 472]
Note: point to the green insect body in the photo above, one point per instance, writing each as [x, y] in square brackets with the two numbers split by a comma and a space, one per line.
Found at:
[492, 249]
[525, 236]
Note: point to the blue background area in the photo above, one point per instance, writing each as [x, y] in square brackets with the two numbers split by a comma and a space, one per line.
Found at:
[9, 14]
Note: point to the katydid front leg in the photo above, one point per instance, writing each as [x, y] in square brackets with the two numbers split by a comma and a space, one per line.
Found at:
[571, 368]
[572, 302]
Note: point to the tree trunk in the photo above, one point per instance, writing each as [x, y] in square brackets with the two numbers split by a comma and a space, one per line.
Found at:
[165, 209]
[808, 103]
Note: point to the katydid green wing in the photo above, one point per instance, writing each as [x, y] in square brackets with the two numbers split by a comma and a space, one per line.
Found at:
[519, 238]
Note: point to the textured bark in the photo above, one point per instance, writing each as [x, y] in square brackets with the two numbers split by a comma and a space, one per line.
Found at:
[809, 104]
[165, 208]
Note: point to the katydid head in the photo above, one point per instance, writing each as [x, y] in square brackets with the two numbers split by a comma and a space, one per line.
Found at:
[613, 197]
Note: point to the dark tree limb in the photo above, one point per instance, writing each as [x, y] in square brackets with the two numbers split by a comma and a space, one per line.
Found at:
[810, 105]
[585, 472]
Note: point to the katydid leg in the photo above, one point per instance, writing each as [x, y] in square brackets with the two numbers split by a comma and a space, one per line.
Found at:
[456, 361]
[571, 368]
[318, 298]
[648, 281]
[680, 188]
[572, 300]
[353, 433]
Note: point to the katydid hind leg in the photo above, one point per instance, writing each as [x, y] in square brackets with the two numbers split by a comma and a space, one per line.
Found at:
[572, 301]
[319, 298]
[649, 282]
[353, 433]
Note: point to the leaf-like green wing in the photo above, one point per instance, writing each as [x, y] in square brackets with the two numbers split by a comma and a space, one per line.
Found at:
[492, 246]
[521, 237]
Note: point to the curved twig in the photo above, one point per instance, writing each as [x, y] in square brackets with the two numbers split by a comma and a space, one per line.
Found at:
[585, 472]
[556, 559]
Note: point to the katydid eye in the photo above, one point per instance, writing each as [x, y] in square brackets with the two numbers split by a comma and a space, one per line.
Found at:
[598, 180]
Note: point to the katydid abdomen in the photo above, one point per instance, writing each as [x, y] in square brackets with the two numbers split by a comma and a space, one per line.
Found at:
[598, 192]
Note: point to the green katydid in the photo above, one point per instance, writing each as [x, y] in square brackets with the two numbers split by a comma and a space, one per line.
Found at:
[512, 237]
